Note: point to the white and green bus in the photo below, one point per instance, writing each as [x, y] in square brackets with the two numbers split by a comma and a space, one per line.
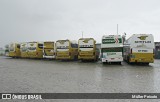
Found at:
[112, 48]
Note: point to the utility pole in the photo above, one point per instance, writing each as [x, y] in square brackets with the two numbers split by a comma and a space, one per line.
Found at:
[117, 29]
[82, 34]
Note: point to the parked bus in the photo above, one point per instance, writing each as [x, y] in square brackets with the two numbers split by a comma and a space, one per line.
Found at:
[14, 50]
[35, 50]
[24, 50]
[87, 49]
[49, 50]
[139, 48]
[66, 50]
[112, 48]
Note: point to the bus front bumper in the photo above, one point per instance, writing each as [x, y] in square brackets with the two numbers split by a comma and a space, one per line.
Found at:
[35, 55]
[63, 57]
[142, 60]
[24, 54]
[14, 54]
[49, 57]
[112, 59]
[86, 57]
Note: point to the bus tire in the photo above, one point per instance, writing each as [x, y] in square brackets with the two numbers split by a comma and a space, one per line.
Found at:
[82, 60]
[146, 63]
[95, 60]
[75, 58]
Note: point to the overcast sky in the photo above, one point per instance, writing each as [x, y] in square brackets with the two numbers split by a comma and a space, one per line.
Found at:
[51, 20]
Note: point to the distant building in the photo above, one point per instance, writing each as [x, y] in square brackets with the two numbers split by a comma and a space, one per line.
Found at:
[157, 50]
[2, 51]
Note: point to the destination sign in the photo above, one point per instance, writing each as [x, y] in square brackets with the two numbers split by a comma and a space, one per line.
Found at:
[142, 50]
[85, 46]
[109, 41]
[142, 41]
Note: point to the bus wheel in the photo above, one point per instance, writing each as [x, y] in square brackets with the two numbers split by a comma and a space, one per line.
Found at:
[95, 60]
[146, 63]
[75, 58]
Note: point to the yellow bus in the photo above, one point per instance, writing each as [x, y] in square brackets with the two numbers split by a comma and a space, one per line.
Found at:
[87, 49]
[14, 50]
[48, 50]
[66, 50]
[139, 48]
[35, 50]
[24, 50]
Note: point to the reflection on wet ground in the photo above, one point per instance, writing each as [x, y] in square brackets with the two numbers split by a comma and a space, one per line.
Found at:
[28, 75]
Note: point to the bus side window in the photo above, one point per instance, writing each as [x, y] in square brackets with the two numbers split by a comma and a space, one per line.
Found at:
[40, 46]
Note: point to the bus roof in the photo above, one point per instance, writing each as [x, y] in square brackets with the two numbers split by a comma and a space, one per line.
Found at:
[107, 36]
[85, 38]
[137, 35]
[48, 41]
[72, 41]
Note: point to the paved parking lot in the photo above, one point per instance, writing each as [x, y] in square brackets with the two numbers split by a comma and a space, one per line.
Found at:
[43, 76]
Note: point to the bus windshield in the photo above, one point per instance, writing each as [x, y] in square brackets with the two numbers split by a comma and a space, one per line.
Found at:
[24, 49]
[62, 47]
[32, 46]
[85, 46]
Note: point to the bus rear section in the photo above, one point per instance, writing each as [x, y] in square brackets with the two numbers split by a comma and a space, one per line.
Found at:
[24, 50]
[139, 48]
[48, 50]
[112, 48]
[35, 50]
[14, 50]
[66, 50]
[87, 49]
[141, 55]
[112, 54]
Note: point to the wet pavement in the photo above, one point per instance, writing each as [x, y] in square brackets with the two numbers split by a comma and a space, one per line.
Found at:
[43, 76]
